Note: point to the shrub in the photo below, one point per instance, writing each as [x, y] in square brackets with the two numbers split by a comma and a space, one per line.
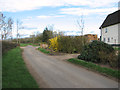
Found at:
[67, 44]
[79, 43]
[103, 57]
[54, 43]
[113, 59]
[119, 59]
[6, 45]
[70, 44]
[91, 51]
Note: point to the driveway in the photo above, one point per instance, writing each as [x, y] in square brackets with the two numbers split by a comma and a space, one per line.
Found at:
[50, 72]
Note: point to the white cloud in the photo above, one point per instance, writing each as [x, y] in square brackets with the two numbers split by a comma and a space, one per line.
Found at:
[21, 5]
[91, 3]
[27, 18]
[59, 16]
[43, 16]
[52, 16]
[80, 11]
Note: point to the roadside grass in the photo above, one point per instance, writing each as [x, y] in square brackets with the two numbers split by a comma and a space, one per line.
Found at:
[94, 67]
[117, 48]
[26, 44]
[14, 72]
[23, 45]
[44, 50]
[35, 45]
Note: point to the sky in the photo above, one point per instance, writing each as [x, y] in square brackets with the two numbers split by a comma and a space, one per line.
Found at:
[63, 15]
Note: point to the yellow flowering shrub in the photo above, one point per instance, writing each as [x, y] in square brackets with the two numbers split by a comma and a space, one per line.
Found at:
[54, 43]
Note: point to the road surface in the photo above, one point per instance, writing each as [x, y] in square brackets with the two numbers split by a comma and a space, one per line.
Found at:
[50, 72]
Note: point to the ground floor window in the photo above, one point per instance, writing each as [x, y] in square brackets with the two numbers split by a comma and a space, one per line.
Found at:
[104, 39]
[108, 39]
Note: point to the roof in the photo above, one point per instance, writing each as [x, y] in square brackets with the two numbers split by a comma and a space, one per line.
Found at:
[111, 19]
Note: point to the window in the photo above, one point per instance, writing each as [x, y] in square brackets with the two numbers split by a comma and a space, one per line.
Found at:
[104, 39]
[106, 30]
[108, 39]
[115, 41]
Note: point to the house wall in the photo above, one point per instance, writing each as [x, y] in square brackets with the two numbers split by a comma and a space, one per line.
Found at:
[112, 33]
[119, 33]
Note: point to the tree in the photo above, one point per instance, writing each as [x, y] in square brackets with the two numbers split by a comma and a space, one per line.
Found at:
[19, 26]
[5, 26]
[9, 27]
[80, 24]
[38, 37]
[50, 27]
[47, 34]
[2, 24]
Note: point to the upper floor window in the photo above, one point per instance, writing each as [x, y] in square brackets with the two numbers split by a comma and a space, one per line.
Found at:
[106, 30]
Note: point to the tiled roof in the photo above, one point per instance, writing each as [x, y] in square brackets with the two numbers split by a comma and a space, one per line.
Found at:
[111, 19]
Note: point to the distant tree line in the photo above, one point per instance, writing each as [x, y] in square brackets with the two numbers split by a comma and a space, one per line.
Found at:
[44, 37]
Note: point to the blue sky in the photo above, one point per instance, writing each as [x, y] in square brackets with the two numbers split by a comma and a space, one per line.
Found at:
[62, 14]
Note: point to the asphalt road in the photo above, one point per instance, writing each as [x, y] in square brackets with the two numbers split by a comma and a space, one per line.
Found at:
[56, 73]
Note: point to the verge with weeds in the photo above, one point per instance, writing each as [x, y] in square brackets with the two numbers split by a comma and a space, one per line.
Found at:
[44, 50]
[92, 66]
[15, 73]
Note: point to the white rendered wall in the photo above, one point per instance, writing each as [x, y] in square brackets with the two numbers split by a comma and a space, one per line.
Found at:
[113, 33]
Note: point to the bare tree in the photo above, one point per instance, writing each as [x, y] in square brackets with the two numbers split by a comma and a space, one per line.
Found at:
[80, 24]
[5, 27]
[50, 27]
[19, 26]
[9, 27]
[2, 24]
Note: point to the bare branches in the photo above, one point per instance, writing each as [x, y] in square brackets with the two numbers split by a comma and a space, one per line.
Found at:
[19, 26]
[80, 24]
[5, 27]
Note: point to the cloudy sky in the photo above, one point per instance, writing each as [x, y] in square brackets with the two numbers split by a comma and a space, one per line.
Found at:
[62, 14]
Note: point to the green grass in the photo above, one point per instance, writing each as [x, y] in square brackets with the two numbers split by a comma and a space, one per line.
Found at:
[117, 48]
[23, 45]
[15, 73]
[92, 66]
[44, 50]
[26, 44]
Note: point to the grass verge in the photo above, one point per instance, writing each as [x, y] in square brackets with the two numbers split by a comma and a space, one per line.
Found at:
[44, 50]
[15, 73]
[92, 66]
[117, 48]
[23, 45]
[26, 44]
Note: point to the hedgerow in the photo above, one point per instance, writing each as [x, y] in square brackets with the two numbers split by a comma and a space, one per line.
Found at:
[67, 44]
[7, 45]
